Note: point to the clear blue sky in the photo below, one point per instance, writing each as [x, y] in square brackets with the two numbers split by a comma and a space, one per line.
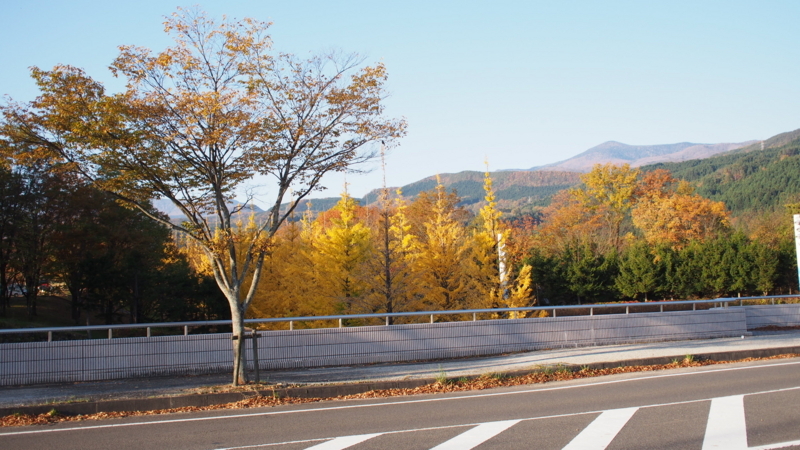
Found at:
[523, 83]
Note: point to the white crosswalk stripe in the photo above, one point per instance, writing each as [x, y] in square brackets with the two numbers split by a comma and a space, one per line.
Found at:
[476, 436]
[726, 428]
[343, 442]
[602, 430]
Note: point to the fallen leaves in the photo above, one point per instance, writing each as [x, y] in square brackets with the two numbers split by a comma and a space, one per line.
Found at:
[487, 381]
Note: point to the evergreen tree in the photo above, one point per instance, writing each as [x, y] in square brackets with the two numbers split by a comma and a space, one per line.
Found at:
[639, 273]
[590, 273]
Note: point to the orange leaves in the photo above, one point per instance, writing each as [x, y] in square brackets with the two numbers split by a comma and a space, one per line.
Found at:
[679, 218]
[665, 210]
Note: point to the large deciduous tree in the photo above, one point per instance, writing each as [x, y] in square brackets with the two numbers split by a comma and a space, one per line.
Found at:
[199, 119]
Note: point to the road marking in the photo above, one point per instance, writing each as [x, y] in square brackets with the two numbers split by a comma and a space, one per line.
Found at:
[776, 446]
[304, 441]
[343, 442]
[726, 428]
[598, 434]
[476, 436]
[726, 424]
[407, 402]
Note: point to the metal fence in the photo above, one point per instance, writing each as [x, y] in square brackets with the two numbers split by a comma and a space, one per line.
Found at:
[103, 359]
[341, 321]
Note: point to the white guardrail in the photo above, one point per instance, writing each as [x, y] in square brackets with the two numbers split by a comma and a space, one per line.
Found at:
[290, 321]
[146, 356]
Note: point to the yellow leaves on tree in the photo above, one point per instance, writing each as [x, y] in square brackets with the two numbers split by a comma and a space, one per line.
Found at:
[679, 218]
[341, 250]
[200, 118]
[608, 192]
[389, 274]
[443, 251]
[567, 222]
[617, 200]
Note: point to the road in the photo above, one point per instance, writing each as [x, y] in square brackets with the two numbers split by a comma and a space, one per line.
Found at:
[738, 406]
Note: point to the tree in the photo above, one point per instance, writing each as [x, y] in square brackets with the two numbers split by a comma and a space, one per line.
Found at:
[442, 252]
[389, 273]
[11, 190]
[198, 120]
[490, 266]
[679, 217]
[590, 273]
[44, 204]
[342, 249]
[609, 191]
[639, 272]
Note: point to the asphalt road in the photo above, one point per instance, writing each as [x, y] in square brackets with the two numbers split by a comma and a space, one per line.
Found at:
[738, 406]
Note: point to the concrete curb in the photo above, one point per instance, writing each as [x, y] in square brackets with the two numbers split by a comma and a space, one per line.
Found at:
[335, 390]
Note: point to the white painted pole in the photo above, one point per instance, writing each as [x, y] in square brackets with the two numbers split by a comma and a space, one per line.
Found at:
[797, 243]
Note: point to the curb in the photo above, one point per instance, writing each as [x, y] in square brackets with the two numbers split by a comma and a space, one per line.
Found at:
[336, 390]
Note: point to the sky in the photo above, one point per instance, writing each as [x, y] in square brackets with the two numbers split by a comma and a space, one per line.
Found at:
[517, 83]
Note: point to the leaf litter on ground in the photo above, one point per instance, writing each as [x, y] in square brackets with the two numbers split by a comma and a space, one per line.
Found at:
[487, 381]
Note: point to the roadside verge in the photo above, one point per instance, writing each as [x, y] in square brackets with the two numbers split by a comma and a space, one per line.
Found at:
[347, 389]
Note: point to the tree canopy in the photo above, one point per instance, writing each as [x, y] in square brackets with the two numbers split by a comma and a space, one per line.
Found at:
[199, 119]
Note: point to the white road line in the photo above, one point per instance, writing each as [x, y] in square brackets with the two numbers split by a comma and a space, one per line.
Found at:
[726, 428]
[776, 446]
[304, 441]
[343, 442]
[476, 436]
[406, 402]
[602, 430]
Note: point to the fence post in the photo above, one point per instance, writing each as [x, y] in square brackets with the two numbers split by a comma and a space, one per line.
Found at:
[186, 330]
[627, 310]
[662, 308]
[474, 317]
[554, 312]
[148, 331]
[291, 325]
[387, 321]
[49, 336]
[431, 318]
[110, 333]
[254, 336]
[340, 323]
[591, 311]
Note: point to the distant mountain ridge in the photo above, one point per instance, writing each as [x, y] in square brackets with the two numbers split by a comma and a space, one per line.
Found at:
[640, 155]
[740, 174]
[748, 180]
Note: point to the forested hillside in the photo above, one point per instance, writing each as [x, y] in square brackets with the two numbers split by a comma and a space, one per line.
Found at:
[517, 192]
[749, 179]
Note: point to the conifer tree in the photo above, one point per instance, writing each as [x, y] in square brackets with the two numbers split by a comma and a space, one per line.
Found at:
[441, 255]
[389, 273]
[490, 266]
[341, 250]
[639, 273]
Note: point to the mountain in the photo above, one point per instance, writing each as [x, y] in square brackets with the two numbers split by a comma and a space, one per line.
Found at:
[742, 175]
[534, 187]
[748, 179]
[639, 155]
[517, 192]
[167, 207]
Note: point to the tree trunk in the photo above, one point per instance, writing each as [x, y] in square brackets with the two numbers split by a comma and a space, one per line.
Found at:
[75, 303]
[239, 373]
